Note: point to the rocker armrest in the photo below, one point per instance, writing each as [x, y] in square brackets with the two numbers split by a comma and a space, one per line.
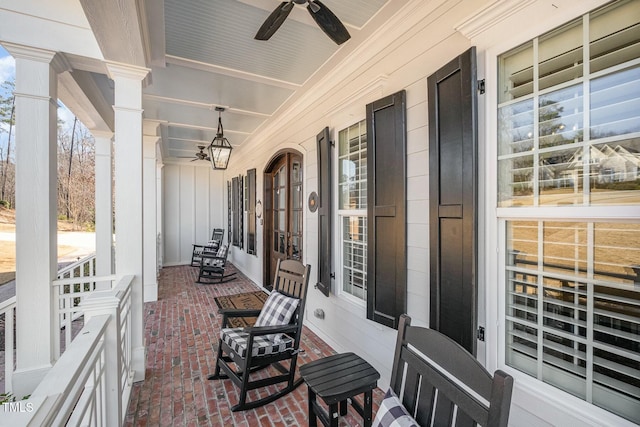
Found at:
[211, 255]
[239, 312]
[267, 330]
[197, 246]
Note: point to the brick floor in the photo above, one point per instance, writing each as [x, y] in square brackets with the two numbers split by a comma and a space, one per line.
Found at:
[181, 331]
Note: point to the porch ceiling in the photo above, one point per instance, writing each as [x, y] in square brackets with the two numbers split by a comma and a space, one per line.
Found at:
[210, 59]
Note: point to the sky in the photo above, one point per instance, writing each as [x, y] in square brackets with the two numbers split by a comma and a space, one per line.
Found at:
[7, 66]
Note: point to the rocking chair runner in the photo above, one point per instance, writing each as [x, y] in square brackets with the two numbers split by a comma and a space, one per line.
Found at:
[275, 338]
[213, 265]
[212, 246]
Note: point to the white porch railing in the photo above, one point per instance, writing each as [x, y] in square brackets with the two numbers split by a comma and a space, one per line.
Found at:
[8, 312]
[75, 282]
[90, 384]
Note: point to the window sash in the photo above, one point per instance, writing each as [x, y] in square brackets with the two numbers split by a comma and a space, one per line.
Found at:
[352, 213]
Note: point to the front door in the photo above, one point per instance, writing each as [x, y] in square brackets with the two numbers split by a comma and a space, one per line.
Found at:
[283, 190]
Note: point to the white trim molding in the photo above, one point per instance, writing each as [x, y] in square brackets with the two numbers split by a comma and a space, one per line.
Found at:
[491, 15]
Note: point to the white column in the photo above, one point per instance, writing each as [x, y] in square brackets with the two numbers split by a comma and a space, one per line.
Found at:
[129, 196]
[159, 217]
[36, 212]
[150, 140]
[104, 206]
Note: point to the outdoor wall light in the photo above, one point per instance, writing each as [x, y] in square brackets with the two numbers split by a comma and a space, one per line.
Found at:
[220, 148]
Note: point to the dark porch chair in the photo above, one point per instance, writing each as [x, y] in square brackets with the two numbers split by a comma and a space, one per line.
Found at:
[275, 338]
[436, 381]
[211, 246]
[212, 266]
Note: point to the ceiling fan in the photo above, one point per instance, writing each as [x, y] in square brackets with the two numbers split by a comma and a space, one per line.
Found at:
[326, 20]
[200, 155]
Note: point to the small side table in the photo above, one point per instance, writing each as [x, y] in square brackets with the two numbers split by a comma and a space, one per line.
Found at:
[337, 379]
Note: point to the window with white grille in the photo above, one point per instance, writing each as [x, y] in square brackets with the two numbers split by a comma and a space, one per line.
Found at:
[569, 145]
[352, 208]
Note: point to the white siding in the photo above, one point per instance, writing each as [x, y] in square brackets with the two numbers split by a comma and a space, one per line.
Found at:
[192, 208]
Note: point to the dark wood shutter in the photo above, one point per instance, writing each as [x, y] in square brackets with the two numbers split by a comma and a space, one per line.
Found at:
[250, 197]
[229, 219]
[241, 212]
[453, 193]
[386, 210]
[324, 212]
[235, 229]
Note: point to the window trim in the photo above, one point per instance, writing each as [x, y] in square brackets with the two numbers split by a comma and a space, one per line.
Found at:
[560, 407]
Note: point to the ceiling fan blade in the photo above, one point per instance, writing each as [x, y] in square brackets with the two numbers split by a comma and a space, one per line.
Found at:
[274, 21]
[328, 22]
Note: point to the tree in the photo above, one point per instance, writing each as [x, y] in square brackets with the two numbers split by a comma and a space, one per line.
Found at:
[76, 174]
[7, 119]
[76, 160]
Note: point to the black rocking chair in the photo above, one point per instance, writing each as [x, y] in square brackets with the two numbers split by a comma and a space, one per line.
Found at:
[212, 266]
[212, 246]
[437, 382]
[272, 340]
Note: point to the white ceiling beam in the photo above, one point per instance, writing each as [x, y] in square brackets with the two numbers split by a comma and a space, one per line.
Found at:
[212, 107]
[116, 26]
[231, 72]
[80, 94]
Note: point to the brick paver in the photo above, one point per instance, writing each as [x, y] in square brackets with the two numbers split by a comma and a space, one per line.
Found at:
[181, 331]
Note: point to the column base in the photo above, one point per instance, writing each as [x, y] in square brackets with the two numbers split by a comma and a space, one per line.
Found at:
[151, 292]
[138, 356]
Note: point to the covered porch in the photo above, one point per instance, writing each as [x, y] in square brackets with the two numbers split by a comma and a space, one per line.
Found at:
[541, 273]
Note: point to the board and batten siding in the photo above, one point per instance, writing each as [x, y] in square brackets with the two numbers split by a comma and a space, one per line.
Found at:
[192, 206]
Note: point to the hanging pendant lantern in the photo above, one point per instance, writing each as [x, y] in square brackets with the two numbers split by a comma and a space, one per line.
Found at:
[220, 148]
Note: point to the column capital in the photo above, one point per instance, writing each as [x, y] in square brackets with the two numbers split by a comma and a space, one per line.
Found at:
[127, 71]
[58, 61]
[103, 134]
[151, 127]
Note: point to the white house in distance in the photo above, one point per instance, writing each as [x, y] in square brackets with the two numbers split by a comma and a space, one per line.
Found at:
[475, 162]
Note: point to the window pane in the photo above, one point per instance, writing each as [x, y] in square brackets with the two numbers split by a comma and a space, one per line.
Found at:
[516, 73]
[560, 117]
[615, 104]
[522, 296]
[516, 127]
[614, 35]
[560, 55]
[614, 170]
[515, 181]
[352, 167]
[560, 177]
[354, 255]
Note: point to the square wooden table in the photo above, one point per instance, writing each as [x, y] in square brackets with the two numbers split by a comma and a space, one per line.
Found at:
[337, 379]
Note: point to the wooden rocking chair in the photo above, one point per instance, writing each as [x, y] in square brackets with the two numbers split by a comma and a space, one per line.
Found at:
[435, 381]
[213, 265]
[211, 246]
[275, 338]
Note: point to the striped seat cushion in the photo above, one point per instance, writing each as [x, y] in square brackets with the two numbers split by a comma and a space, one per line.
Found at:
[236, 339]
